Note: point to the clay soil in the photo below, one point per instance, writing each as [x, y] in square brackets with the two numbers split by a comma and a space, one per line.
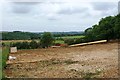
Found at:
[100, 60]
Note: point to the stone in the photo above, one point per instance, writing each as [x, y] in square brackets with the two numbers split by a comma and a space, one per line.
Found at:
[13, 49]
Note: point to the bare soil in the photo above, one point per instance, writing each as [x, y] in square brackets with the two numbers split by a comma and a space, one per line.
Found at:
[101, 60]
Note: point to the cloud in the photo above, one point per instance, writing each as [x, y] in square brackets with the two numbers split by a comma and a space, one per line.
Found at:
[23, 7]
[103, 6]
[54, 16]
[103, 9]
[119, 7]
[72, 10]
[62, 1]
[27, 3]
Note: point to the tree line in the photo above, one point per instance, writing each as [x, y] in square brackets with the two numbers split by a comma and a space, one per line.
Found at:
[108, 28]
[18, 35]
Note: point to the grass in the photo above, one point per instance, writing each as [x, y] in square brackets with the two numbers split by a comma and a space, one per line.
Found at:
[89, 75]
[54, 61]
[69, 37]
[0, 63]
[86, 75]
[4, 52]
[59, 41]
[69, 61]
[7, 42]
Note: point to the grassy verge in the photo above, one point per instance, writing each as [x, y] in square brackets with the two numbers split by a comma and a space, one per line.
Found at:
[4, 52]
[0, 63]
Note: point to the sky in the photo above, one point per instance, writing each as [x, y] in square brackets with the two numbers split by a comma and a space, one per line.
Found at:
[54, 15]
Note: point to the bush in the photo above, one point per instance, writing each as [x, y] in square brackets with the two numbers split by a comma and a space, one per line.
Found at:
[76, 41]
[33, 44]
[26, 45]
[47, 39]
[79, 40]
[17, 44]
[3, 45]
[69, 41]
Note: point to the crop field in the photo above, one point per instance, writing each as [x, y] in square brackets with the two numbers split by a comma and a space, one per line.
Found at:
[97, 60]
[71, 37]
[7, 42]
[14, 41]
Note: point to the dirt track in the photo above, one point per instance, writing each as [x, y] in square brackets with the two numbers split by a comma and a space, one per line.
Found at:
[73, 62]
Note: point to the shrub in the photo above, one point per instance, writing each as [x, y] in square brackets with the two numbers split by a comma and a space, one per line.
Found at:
[20, 45]
[33, 44]
[17, 44]
[3, 45]
[26, 45]
[47, 39]
[69, 41]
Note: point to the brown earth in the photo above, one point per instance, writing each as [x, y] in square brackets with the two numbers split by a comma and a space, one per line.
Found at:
[100, 60]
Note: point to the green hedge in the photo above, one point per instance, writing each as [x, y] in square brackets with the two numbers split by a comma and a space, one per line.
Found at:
[26, 45]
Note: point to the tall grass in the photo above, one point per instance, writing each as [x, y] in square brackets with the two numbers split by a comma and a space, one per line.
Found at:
[4, 52]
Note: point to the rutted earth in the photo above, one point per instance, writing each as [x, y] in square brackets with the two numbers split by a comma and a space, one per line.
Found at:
[100, 60]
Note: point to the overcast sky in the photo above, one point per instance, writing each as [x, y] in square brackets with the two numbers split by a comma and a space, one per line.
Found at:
[54, 15]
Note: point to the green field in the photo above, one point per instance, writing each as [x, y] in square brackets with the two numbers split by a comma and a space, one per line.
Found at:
[59, 41]
[4, 52]
[69, 37]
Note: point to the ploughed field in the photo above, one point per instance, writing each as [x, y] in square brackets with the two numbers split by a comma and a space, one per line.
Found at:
[98, 60]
